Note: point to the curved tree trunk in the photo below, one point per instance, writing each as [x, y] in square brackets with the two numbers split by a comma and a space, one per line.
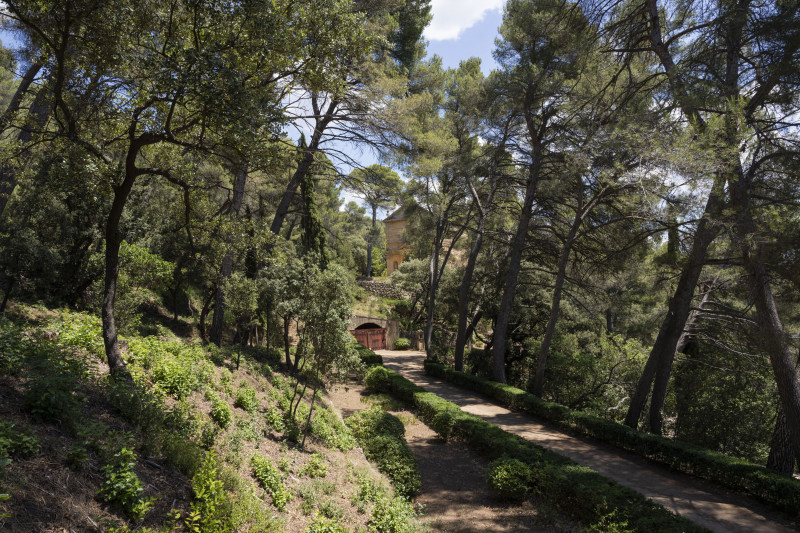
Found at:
[38, 114]
[218, 323]
[512, 277]
[669, 334]
[563, 261]
[303, 167]
[466, 282]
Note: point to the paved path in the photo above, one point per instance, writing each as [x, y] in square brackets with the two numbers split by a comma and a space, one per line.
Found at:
[702, 502]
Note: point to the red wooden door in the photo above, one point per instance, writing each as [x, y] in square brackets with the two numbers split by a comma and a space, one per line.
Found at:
[374, 339]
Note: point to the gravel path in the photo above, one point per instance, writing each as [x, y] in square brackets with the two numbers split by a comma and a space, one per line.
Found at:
[704, 503]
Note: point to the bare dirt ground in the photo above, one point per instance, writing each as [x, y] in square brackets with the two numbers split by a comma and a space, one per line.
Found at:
[453, 493]
[705, 504]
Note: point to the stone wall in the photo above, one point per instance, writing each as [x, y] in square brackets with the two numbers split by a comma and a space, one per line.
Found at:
[382, 289]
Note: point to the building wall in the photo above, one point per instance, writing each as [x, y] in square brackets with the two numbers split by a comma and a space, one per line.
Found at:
[395, 245]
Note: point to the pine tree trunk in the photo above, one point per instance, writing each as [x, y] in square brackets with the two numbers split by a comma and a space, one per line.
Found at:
[555, 308]
[512, 277]
[669, 334]
[782, 452]
[218, 325]
[39, 112]
[433, 284]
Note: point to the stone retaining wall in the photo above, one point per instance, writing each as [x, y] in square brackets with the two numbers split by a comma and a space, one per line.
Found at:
[382, 289]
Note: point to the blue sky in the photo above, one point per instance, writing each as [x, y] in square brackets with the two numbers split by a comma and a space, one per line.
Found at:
[464, 28]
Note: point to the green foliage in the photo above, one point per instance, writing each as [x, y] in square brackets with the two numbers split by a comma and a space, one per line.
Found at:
[402, 344]
[782, 492]
[371, 422]
[50, 392]
[317, 466]
[380, 434]
[321, 524]
[221, 412]
[80, 330]
[211, 507]
[177, 367]
[13, 348]
[393, 516]
[122, 487]
[270, 478]
[508, 479]
[577, 490]
[16, 441]
[274, 419]
[367, 356]
[246, 399]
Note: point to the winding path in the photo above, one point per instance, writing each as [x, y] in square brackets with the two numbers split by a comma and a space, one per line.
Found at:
[702, 502]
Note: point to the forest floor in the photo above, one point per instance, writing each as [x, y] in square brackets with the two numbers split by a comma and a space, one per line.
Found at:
[706, 504]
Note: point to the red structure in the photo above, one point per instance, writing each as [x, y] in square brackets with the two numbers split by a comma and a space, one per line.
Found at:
[371, 336]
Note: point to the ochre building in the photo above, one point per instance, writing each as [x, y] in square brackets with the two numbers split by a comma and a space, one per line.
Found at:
[396, 246]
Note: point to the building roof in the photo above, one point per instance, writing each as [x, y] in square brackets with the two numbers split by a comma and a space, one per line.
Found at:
[397, 214]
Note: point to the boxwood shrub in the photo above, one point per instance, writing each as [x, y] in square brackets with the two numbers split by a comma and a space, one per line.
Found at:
[368, 357]
[402, 344]
[778, 491]
[576, 490]
[381, 435]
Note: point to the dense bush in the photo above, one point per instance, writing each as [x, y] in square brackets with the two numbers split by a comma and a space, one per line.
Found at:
[122, 487]
[576, 490]
[367, 356]
[508, 479]
[402, 344]
[246, 399]
[381, 435]
[736, 474]
[271, 479]
[16, 441]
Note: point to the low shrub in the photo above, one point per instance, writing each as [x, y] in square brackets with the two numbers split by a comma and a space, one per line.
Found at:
[508, 479]
[122, 487]
[17, 442]
[578, 491]
[321, 524]
[246, 399]
[269, 476]
[211, 508]
[381, 436]
[316, 466]
[766, 485]
[367, 356]
[372, 422]
[220, 410]
[394, 516]
[402, 344]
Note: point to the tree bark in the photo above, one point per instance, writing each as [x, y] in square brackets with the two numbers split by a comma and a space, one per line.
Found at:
[466, 282]
[563, 261]
[433, 284]
[669, 334]
[369, 242]
[303, 168]
[512, 276]
[218, 324]
[39, 112]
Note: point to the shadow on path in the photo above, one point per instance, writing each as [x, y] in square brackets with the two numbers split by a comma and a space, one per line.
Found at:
[705, 504]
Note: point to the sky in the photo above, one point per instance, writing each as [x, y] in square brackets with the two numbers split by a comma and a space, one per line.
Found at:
[461, 29]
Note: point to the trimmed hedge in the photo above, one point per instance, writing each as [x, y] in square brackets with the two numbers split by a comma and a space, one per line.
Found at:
[381, 435]
[368, 357]
[774, 489]
[578, 491]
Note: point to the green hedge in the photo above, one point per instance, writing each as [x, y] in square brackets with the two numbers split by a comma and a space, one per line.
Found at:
[781, 492]
[578, 491]
[381, 435]
[368, 357]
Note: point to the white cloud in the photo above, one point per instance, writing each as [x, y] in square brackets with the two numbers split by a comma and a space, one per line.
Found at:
[451, 17]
